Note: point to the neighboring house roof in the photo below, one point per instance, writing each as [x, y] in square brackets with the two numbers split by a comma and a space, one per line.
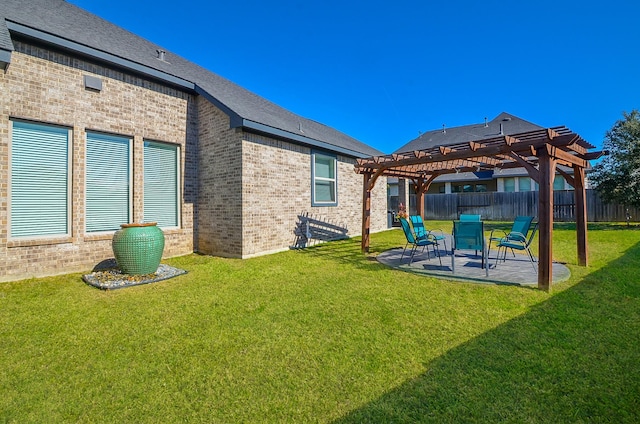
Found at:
[510, 124]
[505, 122]
[69, 27]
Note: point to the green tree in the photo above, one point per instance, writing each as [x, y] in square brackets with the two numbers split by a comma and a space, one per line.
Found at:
[617, 176]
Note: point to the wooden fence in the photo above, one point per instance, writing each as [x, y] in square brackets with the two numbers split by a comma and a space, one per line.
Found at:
[496, 206]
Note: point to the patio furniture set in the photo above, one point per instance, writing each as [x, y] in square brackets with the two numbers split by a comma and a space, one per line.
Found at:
[468, 234]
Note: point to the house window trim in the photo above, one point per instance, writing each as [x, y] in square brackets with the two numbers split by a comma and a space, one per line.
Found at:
[334, 157]
[178, 171]
[32, 240]
[130, 165]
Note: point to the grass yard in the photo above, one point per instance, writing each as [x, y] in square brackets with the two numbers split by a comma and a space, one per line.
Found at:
[329, 335]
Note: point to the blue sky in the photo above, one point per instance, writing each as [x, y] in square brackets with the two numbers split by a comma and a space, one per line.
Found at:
[383, 71]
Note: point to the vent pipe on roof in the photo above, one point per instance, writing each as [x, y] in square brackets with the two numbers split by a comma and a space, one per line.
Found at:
[501, 130]
[486, 124]
[444, 129]
[161, 54]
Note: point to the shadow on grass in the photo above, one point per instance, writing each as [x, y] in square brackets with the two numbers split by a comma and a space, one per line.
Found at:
[349, 251]
[572, 358]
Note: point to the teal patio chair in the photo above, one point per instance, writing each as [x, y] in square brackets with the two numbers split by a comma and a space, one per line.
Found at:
[469, 235]
[421, 232]
[518, 242]
[519, 230]
[415, 242]
[465, 217]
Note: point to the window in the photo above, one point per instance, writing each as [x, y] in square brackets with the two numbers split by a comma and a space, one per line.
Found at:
[510, 185]
[558, 182]
[524, 183]
[161, 183]
[108, 164]
[481, 188]
[467, 188]
[40, 180]
[324, 186]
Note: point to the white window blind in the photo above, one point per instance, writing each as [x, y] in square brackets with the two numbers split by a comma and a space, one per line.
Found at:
[107, 182]
[39, 180]
[161, 183]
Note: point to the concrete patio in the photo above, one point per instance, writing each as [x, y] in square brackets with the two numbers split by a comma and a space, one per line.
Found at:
[514, 271]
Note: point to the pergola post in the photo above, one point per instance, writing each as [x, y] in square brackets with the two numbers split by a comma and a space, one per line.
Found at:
[366, 212]
[403, 192]
[419, 186]
[422, 185]
[580, 200]
[545, 219]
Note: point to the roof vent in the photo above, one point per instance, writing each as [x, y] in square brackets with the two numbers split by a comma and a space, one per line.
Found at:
[444, 129]
[486, 124]
[501, 130]
[161, 54]
[508, 118]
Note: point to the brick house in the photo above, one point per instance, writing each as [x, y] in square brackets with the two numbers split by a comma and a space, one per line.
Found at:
[100, 127]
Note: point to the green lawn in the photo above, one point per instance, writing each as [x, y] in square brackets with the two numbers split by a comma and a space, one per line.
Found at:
[327, 334]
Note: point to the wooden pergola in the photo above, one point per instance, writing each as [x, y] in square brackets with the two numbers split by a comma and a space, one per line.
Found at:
[539, 152]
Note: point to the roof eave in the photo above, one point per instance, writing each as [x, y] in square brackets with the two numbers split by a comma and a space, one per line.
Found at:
[253, 126]
[90, 52]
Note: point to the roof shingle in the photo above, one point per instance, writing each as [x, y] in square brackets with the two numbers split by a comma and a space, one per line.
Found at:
[510, 124]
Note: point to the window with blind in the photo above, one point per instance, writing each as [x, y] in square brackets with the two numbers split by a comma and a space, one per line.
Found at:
[558, 183]
[108, 193]
[40, 169]
[524, 184]
[161, 183]
[324, 187]
[510, 184]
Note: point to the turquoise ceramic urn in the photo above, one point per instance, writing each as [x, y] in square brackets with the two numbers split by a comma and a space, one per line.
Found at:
[138, 248]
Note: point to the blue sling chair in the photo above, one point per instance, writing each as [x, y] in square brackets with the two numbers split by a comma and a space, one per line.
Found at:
[421, 232]
[415, 242]
[469, 235]
[465, 217]
[519, 231]
[518, 241]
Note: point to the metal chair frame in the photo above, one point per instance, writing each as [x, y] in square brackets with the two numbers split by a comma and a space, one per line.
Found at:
[421, 231]
[415, 242]
[518, 241]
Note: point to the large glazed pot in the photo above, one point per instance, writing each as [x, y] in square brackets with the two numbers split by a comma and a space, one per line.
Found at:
[138, 248]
